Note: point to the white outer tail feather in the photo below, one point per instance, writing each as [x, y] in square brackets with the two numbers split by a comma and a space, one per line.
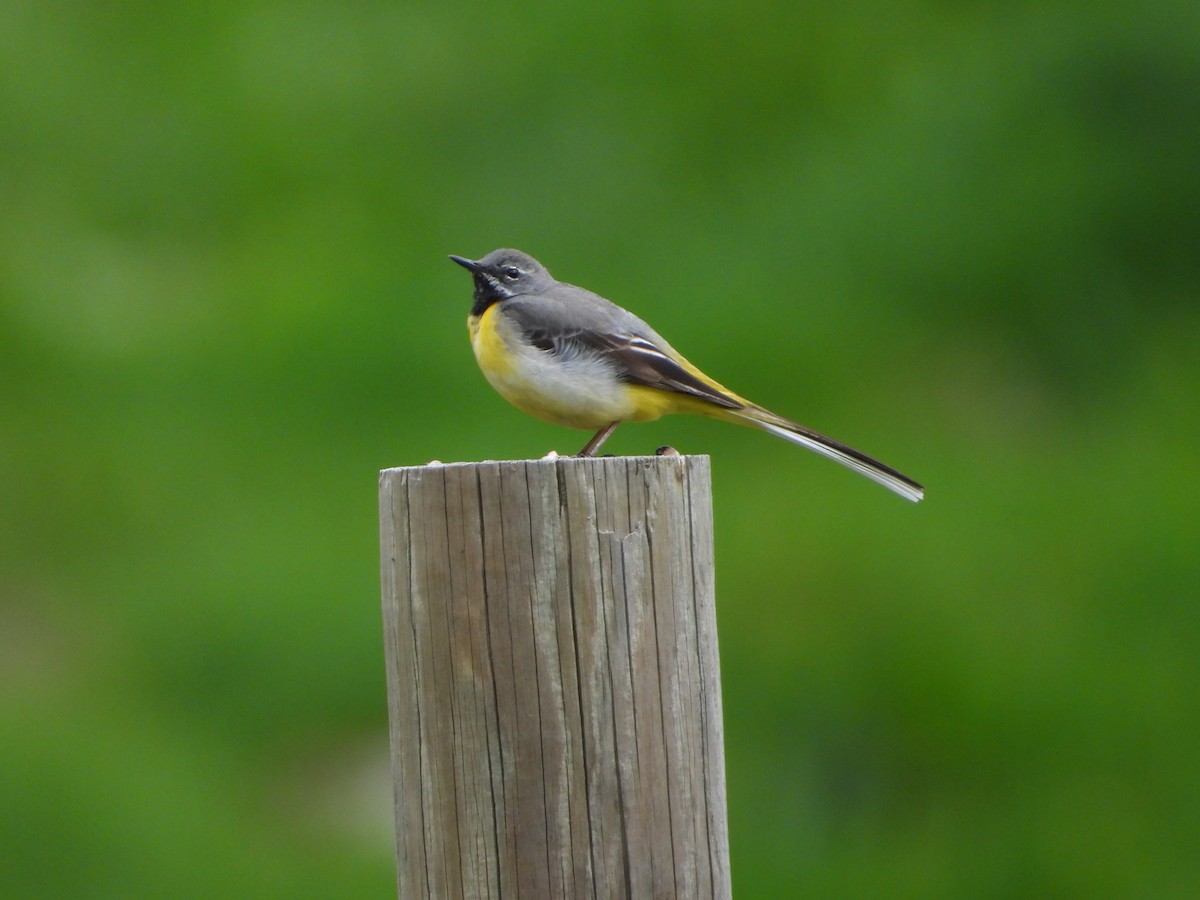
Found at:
[889, 481]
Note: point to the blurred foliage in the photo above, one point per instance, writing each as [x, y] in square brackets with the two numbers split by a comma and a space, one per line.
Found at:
[961, 236]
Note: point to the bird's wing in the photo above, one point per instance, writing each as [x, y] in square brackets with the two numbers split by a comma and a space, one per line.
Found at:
[634, 350]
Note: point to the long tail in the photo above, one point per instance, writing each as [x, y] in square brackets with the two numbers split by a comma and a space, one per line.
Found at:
[827, 446]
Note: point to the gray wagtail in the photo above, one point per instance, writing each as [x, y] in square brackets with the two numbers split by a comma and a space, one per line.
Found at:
[568, 356]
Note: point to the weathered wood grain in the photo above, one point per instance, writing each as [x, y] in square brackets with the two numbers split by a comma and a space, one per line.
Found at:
[553, 679]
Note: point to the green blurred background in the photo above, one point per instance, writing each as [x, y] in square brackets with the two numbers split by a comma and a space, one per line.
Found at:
[964, 237]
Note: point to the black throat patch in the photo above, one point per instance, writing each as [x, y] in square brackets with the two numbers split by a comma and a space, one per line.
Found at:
[487, 291]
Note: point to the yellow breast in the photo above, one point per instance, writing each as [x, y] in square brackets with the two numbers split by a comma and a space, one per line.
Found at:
[486, 342]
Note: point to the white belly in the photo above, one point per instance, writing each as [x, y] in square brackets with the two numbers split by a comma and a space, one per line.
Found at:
[577, 393]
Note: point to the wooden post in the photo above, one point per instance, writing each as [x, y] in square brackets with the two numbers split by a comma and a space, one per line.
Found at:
[553, 680]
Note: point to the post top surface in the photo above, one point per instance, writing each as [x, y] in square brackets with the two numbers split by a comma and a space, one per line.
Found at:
[550, 461]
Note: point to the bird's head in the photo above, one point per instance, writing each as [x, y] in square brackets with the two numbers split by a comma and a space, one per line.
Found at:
[502, 274]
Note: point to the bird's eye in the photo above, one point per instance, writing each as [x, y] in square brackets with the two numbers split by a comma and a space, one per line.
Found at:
[512, 273]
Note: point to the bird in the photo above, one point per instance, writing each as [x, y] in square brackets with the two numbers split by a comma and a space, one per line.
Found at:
[570, 357]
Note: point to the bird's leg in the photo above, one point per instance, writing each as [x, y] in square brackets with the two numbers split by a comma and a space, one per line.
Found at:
[590, 448]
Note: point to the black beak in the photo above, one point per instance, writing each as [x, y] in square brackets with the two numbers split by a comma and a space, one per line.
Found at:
[469, 264]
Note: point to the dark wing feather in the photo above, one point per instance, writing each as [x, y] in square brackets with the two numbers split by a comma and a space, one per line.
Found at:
[636, 360]
[572, 322]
